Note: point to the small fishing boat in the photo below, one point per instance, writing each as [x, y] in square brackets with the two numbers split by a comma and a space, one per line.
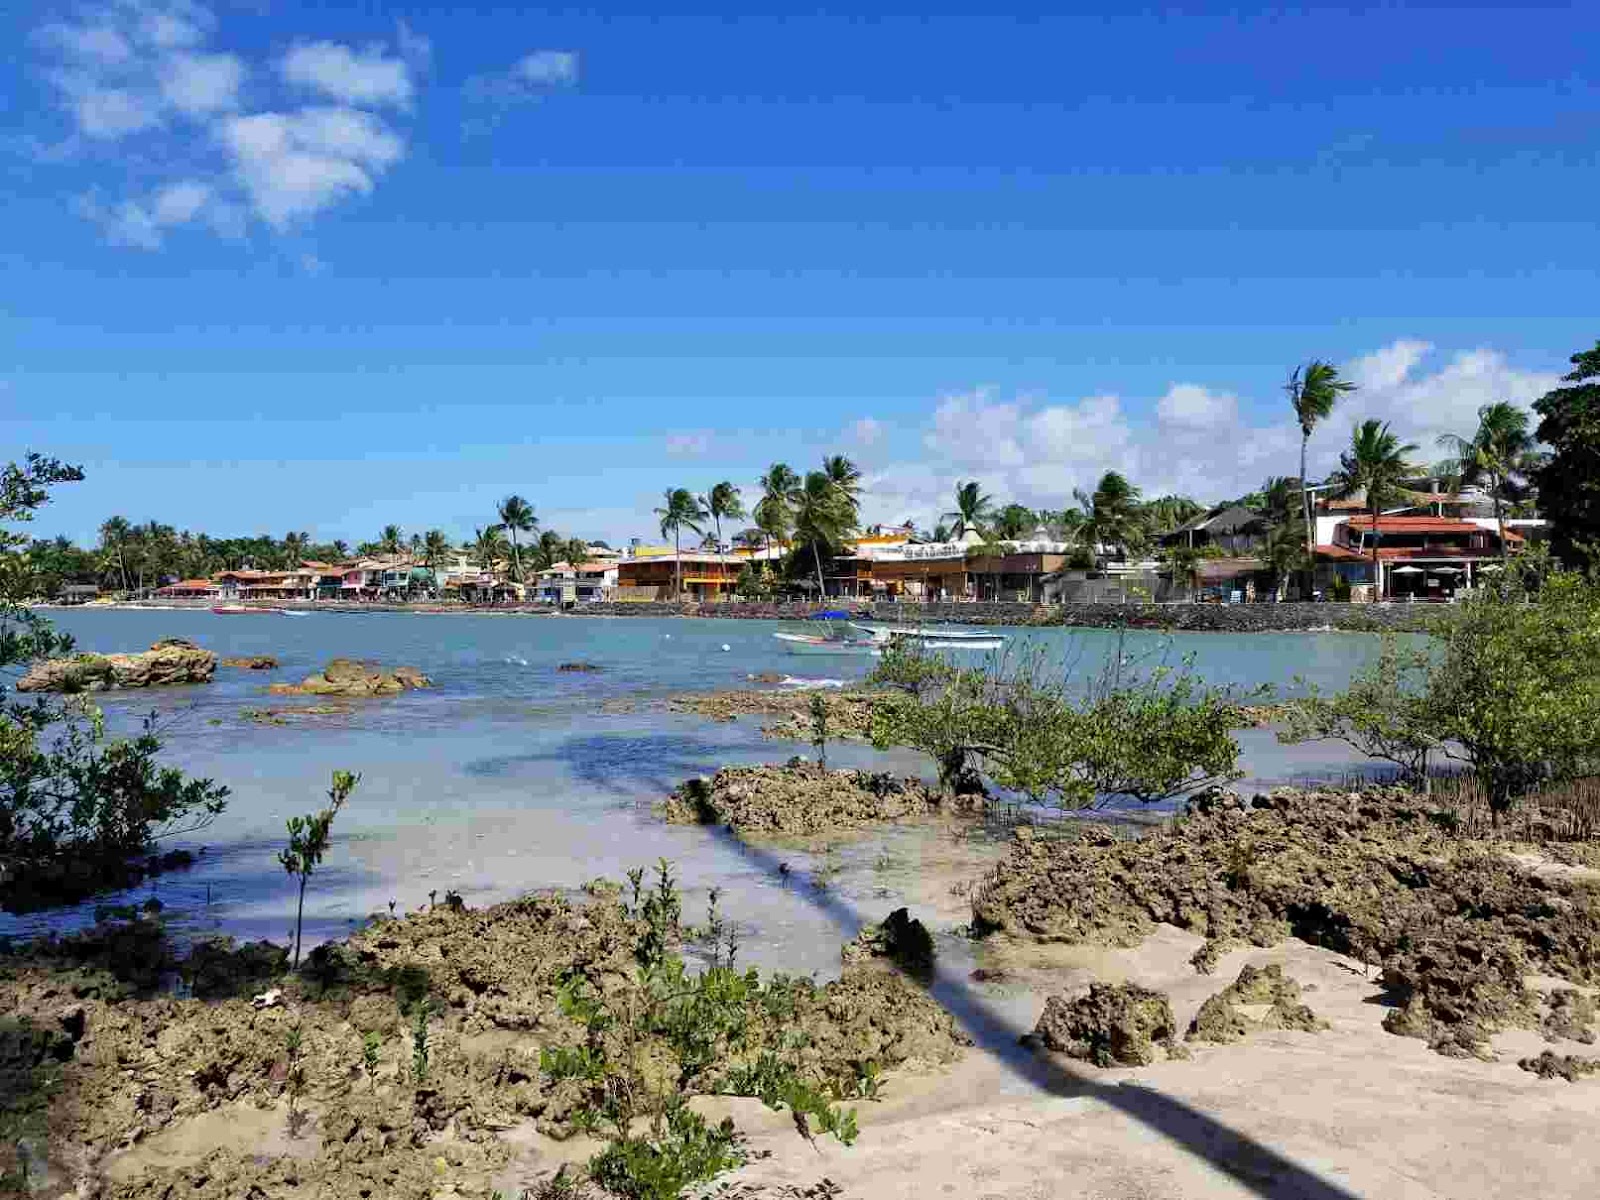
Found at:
[234, 610]
[828, 633]
[934, 639]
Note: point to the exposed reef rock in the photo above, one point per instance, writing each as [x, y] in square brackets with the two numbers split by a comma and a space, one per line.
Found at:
[170, 661]
[347, 677]
[252, 662]
[1228, 1016]
[799, 798]
[1110, 1025]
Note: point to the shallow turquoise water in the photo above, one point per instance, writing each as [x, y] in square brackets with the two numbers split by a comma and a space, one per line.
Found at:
[509, 776]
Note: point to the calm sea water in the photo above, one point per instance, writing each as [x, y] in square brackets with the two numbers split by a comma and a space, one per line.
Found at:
[510, 775]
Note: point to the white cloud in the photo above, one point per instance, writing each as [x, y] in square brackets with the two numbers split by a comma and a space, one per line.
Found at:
[868, 431]
[292, 165]
[689, 443]
[1193, 439]
[196, 84]
[529, 79]
[368, 78]
[1421, 405]
[201, 151]
[142, 223]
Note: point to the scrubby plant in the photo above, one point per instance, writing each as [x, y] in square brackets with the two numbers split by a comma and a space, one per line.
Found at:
[420, 1016]
[819, 727]
[656, 1145]
[1149, 735]
[308, 842]
[295, 1079]
[371, 1046]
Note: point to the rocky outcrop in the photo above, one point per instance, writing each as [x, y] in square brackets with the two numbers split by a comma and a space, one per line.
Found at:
[849, 710]
[348, 677]
[578, 668]
[901, 938]
[1110, 1025]
[170, 661]
[252, 662]
[1261, 998]
[798, 798]
[1455, 925]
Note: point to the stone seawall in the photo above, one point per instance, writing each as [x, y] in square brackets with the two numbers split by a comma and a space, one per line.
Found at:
[1215, 618]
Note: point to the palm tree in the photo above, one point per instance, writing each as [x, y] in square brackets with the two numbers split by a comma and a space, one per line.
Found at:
[1375, 464]
[680, 510]
[1014, 522]
[723, 501]
[294, 547]
[516, 516]
[414, 545]
[1313, 391]
[1184, 562]
[1110, 513]
[824, 517]
[774, 512]
[341, 548]
[488, 547]
[390, 540]
[844, 475]
[972, 513]
[1501, 452]
[113, 538]
[575, 551]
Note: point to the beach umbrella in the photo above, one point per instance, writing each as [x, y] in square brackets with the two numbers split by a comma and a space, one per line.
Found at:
[1406, 571]
[1447, 570]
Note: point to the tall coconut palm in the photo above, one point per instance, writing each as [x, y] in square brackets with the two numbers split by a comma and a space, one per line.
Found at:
[1376, 465]
[774, 513]
[1110, 514]
[113, 540]
[516, 516]
[1501, 453]
[488, 547]
[1313, 391]
[679, 511]
[824, 516]
[844, 475]
[390, 540]
[973, 511]
[724, 501]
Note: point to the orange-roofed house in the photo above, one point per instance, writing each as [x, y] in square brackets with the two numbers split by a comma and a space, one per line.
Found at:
[1419, 557]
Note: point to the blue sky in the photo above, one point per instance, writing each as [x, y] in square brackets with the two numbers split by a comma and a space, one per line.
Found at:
[321, 267]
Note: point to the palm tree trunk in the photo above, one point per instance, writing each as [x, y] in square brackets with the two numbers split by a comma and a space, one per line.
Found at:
[816, 561]
[516, 555]
[1500, 521]
[677, 563]
[1377, 576]
[1305, 515]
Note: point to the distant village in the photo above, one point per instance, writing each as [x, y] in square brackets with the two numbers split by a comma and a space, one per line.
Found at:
[1427, 549]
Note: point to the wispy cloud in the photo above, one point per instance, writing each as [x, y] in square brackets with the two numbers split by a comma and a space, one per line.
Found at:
[531, 78]
[195, 136]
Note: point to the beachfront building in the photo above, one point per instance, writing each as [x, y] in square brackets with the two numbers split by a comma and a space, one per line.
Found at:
[968, 569]
[189, 589]
[1232, 529]
[299, 583]
[567, 583]
[647, 575]
[1419, 557]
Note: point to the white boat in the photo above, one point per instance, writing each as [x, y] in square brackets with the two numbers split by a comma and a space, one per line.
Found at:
[814, 643]
[935, 639]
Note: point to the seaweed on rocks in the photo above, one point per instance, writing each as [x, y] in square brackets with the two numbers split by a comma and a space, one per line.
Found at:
[1110, 1025]
[799, 798]
[1224, 1018]
[1377, 875]
[1571, 1067]
[1569, 1014]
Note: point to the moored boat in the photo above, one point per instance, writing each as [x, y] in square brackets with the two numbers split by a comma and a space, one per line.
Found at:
[232, 610]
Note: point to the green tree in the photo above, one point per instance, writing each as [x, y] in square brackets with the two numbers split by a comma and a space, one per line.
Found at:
[308, 842]
[1111, 516]
[1313, 391]
[1375, 465]
[391, 540]
[974, 510]
[825, 516]
[78, 812]
[548, 550]
[1516, 687]
[488, 547]
[516, 516]
[1569, 481]
[679, 511]
[114, 534]
[1015, 522]
[723, 502]
[1501, 454]
[435, 548]
[1184, 563]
